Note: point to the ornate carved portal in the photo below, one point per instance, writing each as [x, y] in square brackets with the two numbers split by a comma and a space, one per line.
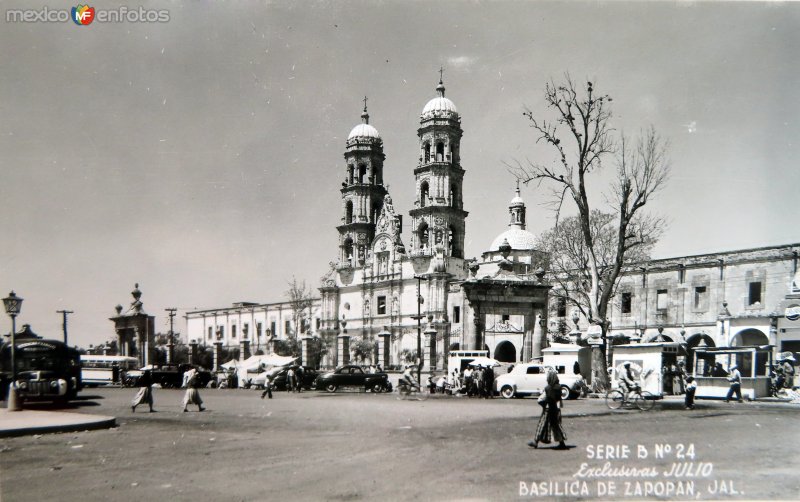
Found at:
[509, 296]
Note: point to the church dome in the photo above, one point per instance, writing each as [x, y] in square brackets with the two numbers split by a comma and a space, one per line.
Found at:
[518, 239]
[439, 105]
[365, 131]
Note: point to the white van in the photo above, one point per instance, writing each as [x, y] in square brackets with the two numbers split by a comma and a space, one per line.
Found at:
[460, 359]
[530, 378]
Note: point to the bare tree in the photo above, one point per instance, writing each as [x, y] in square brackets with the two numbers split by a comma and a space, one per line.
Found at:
[301, 301]
[582, 140]
[569, 257]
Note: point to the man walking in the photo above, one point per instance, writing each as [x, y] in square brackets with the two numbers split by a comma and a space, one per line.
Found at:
[290, 380]
[735, 378]
[267, 387]
[145, 394]
[298, 379]
[192, 382]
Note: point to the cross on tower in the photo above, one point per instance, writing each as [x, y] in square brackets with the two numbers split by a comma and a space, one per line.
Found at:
[441, 72]
[365, 103]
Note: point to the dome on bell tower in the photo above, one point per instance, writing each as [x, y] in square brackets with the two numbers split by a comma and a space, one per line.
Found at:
[364, 130]
[440, 106]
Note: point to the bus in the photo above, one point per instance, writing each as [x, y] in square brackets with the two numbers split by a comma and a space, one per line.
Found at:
[47, 370]
[106, 370]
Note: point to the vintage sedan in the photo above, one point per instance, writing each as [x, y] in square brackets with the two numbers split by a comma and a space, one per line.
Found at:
[531, 378]
[353, 376]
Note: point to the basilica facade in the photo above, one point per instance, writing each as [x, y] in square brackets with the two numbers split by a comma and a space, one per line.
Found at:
[409, 298]
[418, 297]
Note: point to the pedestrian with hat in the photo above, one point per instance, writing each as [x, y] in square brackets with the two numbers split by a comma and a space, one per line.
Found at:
[788, 371]
[735, 378]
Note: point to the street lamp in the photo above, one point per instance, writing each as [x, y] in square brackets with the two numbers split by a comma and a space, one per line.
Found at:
[13, 304]
[418, 318]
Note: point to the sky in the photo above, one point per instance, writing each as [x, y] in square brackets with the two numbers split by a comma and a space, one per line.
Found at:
[202, 157]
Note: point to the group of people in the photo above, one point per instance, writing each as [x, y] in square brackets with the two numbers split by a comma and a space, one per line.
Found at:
[477, 381]
[191, 382]
[782, 373]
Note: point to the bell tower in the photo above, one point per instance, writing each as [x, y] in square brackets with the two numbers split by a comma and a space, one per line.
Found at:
[362, 191]
[438, 214]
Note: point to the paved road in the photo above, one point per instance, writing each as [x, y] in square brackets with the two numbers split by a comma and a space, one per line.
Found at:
[360, 446]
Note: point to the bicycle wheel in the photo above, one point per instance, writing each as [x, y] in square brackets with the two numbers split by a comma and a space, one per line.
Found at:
[422, 395]
[644, 400]
[614, 399]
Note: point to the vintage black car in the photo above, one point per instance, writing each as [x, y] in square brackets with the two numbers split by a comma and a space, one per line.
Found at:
[169, 375]
[309, 376]
[353, 376]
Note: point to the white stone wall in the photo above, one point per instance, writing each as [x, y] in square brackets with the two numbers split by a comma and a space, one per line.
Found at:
[198, 323]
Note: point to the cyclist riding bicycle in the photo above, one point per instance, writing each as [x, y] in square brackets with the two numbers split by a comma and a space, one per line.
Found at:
[407, 378]
[627, 383]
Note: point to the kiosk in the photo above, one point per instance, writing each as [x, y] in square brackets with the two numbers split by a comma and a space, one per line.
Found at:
[647, 361]
[712, 364]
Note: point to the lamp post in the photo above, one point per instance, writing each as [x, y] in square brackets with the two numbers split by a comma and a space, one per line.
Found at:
[13, 304]
[418, 318]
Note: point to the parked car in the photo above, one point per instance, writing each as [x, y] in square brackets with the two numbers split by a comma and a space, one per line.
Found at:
[279, 377]
[353, 376]
[168, 375]
[531, 378]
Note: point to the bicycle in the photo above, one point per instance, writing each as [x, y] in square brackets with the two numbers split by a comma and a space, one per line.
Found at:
[406, 392]
[616, 399]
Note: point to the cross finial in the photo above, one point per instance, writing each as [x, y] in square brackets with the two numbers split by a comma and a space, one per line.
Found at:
[441, 73]
[365, 115]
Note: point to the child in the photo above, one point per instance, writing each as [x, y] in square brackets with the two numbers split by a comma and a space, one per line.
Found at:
[691, 387]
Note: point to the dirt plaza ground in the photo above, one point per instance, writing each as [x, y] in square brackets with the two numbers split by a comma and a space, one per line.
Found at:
[363, 446]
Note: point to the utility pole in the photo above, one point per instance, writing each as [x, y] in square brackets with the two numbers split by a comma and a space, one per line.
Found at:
[65, 313]
[171, 343]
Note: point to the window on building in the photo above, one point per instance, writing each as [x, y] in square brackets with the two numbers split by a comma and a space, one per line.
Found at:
[755, 293]
[456, 315]
[258, 329]
[439, 152]
[362, 171]
[625, 307]
[381, 305]
[423, 194]
[700, 298]
[561, 307]
[319, 322]
[210, 333]
[427, 148]
[272, 328]
[287, 327]
[233, 331]
[221, 332]
[661, 299]
[348, 212]
[245, 329]
[423, 236]
[350, 170]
